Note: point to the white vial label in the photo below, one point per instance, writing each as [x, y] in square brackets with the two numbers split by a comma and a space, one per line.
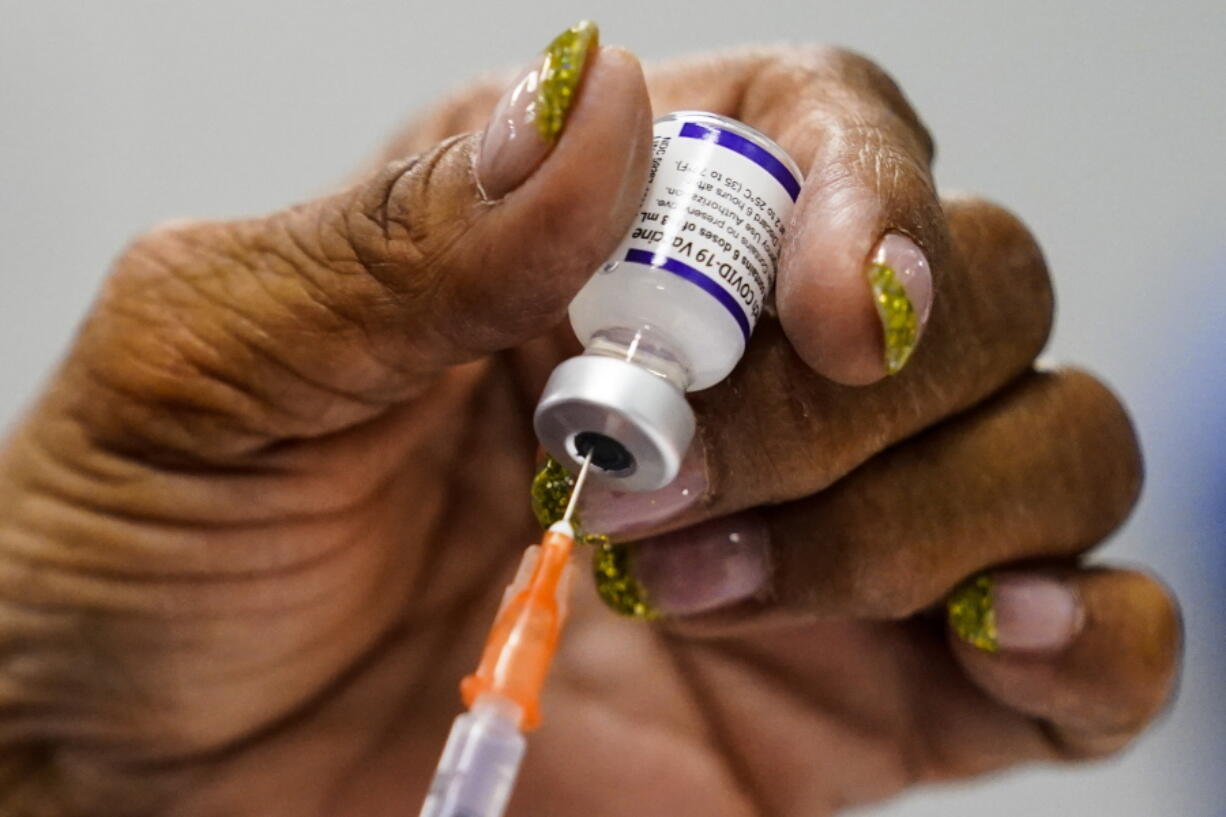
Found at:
[715, 211]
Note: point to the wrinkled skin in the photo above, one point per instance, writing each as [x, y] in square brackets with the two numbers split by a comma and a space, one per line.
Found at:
[254, 531]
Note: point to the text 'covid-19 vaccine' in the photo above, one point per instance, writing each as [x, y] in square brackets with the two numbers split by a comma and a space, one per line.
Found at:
[673, 308]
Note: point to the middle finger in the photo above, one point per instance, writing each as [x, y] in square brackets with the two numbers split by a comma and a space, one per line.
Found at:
[1044, 471]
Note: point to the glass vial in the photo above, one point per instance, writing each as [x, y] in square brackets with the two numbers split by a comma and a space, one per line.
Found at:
[672, 309]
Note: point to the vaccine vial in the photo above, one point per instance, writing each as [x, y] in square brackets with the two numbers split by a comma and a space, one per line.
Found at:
[673, 308]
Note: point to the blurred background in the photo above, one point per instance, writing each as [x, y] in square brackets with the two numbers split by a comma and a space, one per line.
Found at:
[1103, 123]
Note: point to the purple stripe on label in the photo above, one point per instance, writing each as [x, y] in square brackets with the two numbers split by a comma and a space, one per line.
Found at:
[739, 144]
[701, 279]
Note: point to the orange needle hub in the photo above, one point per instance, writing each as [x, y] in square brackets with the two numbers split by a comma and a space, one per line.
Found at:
[524, 638]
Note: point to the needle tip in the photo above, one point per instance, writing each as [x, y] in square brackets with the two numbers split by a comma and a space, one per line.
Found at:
[574, 493]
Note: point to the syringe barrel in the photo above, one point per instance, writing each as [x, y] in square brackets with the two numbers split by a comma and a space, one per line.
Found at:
[477, 771]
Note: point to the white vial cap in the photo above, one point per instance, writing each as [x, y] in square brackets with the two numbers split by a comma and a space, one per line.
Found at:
[637, 424]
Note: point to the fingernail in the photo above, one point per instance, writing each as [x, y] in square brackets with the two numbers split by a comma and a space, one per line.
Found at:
[695, 570]
[531, 115]
[550, 492]
[1015, 613]
[626, 514]
[902, 292]
[1035, 613]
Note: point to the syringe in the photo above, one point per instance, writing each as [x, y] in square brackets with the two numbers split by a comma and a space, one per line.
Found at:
[481, 759]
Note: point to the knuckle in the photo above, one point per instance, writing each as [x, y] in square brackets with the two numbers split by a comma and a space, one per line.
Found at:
[870, 594]
[863, 74]
[156, 249]
[852, 66]
[413, 211]
[842, 89]
[899, 173]
[861, 577]
[862, 581]
[158, 274]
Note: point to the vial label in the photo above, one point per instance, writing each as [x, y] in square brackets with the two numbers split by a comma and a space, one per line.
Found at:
[715, 211]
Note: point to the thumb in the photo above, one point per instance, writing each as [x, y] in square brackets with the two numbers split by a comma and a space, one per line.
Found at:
[318, 317]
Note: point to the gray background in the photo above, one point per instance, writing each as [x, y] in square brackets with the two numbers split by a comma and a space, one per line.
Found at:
[1100, 122]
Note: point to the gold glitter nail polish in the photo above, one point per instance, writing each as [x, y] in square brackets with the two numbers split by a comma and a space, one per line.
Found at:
[972, 613]
[898, 319]
[551, 489]
[561, 74]
[616, 585]
[550, 494]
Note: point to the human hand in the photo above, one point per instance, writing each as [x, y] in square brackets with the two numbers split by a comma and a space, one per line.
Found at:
[255, 530]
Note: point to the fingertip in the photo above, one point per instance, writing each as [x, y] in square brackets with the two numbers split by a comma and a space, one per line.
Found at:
[831, 325]
[584, 193]
[853, 303]
[530, 250]
[1097, 670]
[856, 282]
[613, 113]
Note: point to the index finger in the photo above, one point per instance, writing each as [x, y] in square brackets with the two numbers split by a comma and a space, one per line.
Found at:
[855, 282]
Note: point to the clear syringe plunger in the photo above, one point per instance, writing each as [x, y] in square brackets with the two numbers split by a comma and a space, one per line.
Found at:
[480, 762]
